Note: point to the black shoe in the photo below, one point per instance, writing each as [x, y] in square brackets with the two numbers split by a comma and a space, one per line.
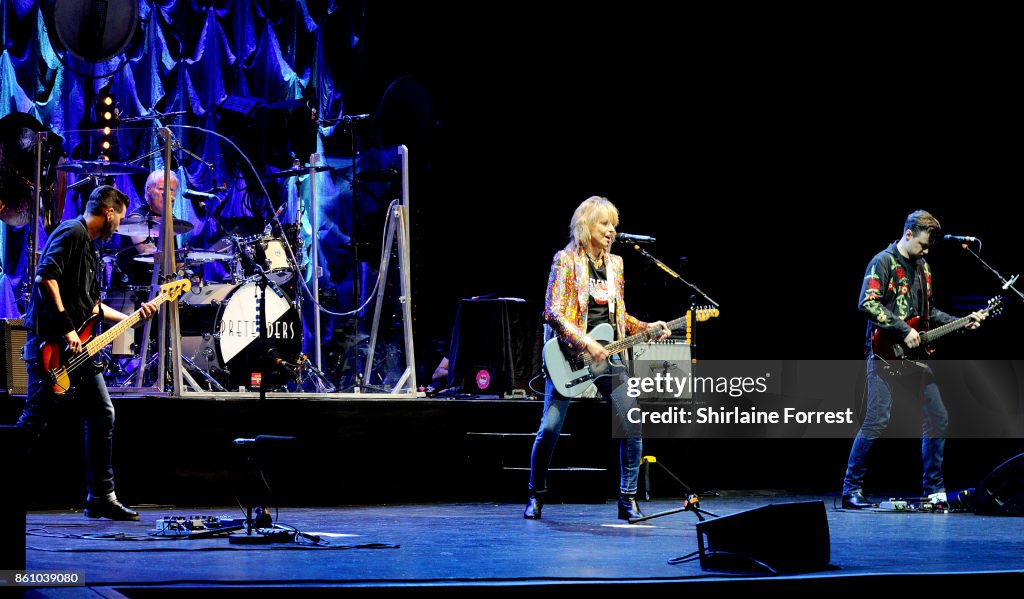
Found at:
[628, 508]
[101, 507]
[856, 501]
[534, 507]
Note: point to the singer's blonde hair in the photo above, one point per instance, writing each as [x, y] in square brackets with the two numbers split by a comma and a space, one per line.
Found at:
[592, 210]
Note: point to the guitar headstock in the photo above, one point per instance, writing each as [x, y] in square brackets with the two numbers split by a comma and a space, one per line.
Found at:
[704, 314]
[170, 291]
[995, 306]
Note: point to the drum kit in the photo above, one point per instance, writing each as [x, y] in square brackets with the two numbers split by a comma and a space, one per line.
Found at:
[219, 318]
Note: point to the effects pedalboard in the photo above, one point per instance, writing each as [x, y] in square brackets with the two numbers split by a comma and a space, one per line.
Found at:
[196, 526]
[957, 501]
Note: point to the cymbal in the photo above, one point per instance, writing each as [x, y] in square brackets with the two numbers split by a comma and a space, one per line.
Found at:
[187, 256]
[137, 225]
[295, 172]
[205, 256]
[101, 167]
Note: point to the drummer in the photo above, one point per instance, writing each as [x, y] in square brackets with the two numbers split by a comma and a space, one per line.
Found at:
[133, 272]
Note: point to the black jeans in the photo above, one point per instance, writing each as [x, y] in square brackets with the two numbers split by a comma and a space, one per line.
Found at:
[93, 403]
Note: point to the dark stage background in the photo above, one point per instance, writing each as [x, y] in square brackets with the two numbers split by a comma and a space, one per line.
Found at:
[771, 155]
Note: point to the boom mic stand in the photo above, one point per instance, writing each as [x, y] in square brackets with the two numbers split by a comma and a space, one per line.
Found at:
[692, 502]
[1008, 284]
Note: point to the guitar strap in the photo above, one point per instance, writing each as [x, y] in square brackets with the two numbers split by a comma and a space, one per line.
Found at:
[922, 285]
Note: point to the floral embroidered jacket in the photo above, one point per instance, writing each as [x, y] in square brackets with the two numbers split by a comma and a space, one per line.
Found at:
[567, 300]
[891, 293]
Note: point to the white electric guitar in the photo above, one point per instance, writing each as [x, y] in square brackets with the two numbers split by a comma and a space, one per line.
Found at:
[572, 374]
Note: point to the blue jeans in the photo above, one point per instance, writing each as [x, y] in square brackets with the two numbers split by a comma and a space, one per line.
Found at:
[555, 407]
[93, 403]
[934, 422]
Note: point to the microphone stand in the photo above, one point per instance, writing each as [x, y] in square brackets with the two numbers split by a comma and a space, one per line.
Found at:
[692, 501]
[673, 274]
[262, 320]
[33, 235]
[691, 329]
[1007, 283]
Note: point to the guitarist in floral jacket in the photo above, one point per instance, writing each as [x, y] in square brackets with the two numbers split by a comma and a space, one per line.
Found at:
[898, 287]
[65, 294]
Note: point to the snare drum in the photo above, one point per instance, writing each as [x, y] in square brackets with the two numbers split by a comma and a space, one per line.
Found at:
[220, 332]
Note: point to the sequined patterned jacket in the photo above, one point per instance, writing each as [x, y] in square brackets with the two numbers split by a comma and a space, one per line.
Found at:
[567, 300]
[890, 293]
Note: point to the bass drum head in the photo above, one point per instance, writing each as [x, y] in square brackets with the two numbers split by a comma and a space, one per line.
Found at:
[228, 346]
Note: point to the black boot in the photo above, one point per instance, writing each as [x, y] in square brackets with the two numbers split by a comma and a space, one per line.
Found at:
[534, 506]
[109, 507]
[628, 507]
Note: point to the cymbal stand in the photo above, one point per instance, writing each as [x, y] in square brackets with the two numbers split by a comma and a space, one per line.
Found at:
[169, 332]
[315, 226]
[33, 236]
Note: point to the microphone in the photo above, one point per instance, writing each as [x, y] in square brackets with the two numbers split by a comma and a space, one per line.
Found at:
[198, 200]
[198, 195]
[960, 238]
[633, 238]
[280, 364]
[261, 440]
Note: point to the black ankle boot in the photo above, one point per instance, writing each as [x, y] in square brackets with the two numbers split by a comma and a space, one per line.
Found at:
[534, 506]
[628, 507]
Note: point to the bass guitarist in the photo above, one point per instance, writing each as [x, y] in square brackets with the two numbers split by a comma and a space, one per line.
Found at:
[585, 289]
[897, 287]
[65, 294]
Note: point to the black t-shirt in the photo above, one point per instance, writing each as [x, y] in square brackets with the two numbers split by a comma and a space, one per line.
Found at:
[129, 270]
[600, 292]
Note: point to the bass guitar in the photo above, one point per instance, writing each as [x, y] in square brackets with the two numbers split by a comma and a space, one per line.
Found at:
[62, 365]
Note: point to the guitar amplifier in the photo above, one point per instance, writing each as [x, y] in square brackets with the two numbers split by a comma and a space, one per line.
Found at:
[13, 377]
[669, 357]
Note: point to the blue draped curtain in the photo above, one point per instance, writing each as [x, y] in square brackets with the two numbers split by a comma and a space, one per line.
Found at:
[193, 56]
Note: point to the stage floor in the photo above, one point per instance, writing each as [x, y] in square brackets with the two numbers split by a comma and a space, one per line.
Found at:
[441, 546]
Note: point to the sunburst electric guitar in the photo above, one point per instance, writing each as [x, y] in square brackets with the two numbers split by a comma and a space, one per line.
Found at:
[62, 366]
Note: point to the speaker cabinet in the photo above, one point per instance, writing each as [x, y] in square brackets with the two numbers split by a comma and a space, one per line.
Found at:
[785, 537]
[495, 346]
[1001, 493]
[13, 377]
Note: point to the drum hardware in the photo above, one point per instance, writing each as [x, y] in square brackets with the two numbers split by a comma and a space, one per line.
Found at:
[28, 153]
[139, 225]
[101, 168]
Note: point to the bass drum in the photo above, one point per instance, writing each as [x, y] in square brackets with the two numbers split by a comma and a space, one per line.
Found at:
[220, 333]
